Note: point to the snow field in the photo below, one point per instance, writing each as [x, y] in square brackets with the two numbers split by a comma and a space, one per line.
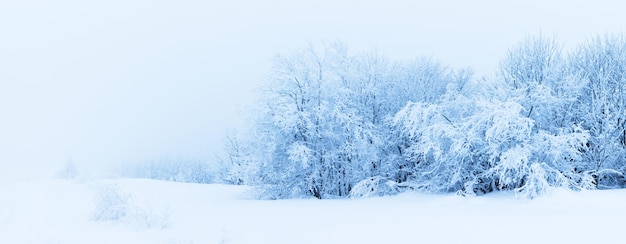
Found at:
[62, 211]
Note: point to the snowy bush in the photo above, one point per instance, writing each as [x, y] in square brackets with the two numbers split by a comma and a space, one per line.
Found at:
[482, 142]
[112, 204]
[536, 183]
[495, 148]
[374, 186]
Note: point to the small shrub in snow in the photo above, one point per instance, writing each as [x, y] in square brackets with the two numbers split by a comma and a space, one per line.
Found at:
[374, 186]
[112, 204]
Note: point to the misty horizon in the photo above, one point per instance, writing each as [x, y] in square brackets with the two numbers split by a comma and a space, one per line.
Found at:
[106, 83]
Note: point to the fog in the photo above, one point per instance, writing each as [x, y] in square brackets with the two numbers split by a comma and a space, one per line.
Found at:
[104, 83]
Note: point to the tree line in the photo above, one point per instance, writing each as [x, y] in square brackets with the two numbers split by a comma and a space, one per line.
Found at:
[331, 124]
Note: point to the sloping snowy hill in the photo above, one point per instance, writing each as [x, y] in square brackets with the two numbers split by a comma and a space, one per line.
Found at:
[148, 211]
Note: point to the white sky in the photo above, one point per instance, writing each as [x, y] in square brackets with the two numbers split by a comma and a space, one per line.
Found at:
[121, 81]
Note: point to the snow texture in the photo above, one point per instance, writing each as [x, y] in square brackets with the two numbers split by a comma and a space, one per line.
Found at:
[61, 211]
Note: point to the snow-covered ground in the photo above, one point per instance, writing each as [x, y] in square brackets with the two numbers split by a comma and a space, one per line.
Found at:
[148, 211]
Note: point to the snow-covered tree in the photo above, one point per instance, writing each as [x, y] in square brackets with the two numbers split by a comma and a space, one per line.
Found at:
[307, 124]
[600, 64]
[478, 146]
[323, 122]
[535, 72]
[509, 133]
[537, 59]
